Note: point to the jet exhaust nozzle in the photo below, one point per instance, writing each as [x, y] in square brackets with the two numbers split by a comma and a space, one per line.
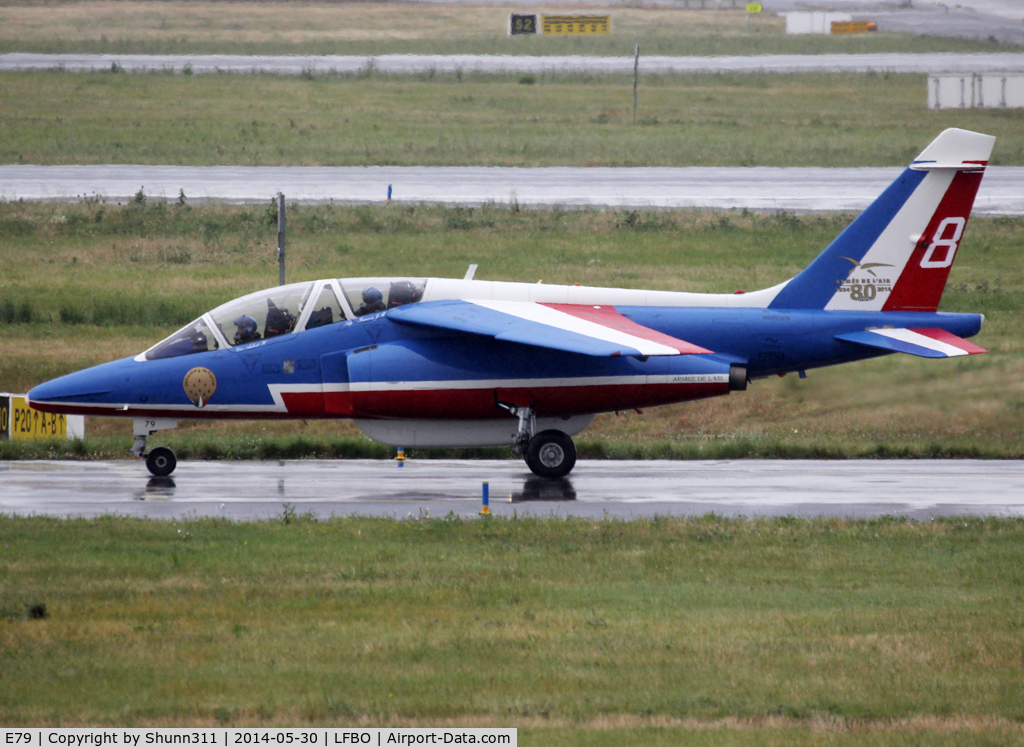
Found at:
[737, 378]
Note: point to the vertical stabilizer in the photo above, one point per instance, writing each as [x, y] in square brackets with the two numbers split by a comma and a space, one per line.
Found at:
[897, 254]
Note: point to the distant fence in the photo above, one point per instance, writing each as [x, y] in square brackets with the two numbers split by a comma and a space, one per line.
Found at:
[976, 91]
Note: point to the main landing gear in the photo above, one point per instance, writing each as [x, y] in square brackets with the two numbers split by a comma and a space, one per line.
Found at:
[161, 460]
[550, 454]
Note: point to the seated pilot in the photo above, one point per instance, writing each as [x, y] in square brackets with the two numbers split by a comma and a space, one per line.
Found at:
[246, 330]
[320, 318]
[403, 292]
[373, 301]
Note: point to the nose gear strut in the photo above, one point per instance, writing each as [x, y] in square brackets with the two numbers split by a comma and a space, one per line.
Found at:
[161, 460]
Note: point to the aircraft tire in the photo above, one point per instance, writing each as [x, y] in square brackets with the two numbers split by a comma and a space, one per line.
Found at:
[551, 454]
[161, 461]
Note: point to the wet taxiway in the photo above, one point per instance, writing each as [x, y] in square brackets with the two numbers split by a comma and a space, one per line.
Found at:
[410, 64]
[919, 489]
[805, 189]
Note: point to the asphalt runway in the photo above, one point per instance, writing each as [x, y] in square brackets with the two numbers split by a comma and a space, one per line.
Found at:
[758, 188]
[242, 491]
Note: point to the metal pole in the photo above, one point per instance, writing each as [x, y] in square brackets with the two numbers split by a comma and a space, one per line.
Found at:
[636, 73]
[280, 238]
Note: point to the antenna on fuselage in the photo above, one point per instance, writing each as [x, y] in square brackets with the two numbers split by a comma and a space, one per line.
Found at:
[470, 272]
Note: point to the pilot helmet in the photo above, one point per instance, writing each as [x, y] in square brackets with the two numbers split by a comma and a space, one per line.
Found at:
[246, 324]
[372, 295]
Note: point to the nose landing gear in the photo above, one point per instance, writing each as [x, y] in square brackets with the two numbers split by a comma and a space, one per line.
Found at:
[161, 461]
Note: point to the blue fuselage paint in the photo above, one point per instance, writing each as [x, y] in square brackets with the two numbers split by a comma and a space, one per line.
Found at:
[774, 341]
[376, 351]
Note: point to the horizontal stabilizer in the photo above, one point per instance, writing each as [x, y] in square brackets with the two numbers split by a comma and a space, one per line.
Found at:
[956, 149]
[573, 328]
[926, 343]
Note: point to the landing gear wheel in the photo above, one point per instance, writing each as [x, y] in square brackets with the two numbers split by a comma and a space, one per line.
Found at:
[551, 454]
[161, 461]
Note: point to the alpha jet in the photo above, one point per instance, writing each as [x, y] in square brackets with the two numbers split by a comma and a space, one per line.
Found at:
[464, 362]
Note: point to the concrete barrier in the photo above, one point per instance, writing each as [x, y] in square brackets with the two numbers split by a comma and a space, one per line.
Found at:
[976, 91]
[814, 23]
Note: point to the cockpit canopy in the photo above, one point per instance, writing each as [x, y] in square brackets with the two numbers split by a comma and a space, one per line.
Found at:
[287, 309]
[262, 315]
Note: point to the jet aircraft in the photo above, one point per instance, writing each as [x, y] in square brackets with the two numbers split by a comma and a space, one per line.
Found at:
[464, 362]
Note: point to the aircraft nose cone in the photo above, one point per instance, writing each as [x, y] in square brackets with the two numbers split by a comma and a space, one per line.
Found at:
[46, 391]
[78, 384]
[89, 385]
[71, 388]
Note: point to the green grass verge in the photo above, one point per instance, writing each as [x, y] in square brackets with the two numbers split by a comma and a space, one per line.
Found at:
[474, 120]
[87, 283]
[578, 631]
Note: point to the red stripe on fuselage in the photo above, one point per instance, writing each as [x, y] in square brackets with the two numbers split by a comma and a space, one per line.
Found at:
[607, 316]
[306, 404]
[479, 404]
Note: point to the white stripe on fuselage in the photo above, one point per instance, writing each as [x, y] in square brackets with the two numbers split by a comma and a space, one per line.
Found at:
[562, 383]
[448, 289]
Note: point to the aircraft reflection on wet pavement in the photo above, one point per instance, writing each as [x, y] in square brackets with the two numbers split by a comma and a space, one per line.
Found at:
[157, 487]
[539, 489]
[535, 489]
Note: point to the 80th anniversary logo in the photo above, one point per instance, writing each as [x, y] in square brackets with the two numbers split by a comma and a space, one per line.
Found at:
[233, 737]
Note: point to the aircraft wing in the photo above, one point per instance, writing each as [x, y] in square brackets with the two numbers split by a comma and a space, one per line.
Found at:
[574, 328]
[926, 343]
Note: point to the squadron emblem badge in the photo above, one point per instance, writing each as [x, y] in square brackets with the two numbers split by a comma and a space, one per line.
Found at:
[199, 385]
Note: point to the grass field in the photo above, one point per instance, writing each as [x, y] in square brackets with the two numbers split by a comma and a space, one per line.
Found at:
[711, 631]
[88, 283]
[412, 28]
[451, 120]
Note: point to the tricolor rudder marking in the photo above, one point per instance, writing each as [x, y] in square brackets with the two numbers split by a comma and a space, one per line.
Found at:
[897, 254]
[920, 286]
